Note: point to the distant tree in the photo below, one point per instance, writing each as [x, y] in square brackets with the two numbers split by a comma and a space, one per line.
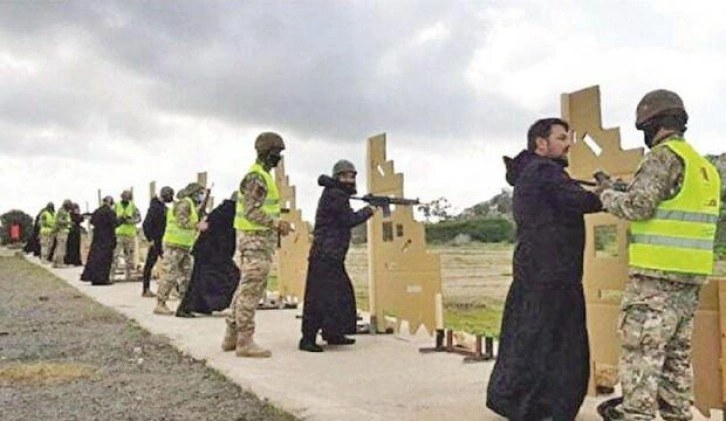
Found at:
[12, 217]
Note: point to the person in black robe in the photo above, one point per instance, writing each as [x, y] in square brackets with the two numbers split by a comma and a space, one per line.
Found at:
[73, 246]
[33, 244]
[100, 256]
[215, 276]
[543, 363]
[329, 303]
[154, 227]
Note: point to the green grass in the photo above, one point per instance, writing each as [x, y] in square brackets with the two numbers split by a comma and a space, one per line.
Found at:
[478, 319]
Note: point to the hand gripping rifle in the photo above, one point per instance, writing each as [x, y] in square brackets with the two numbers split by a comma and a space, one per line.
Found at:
[385, 202]
[203, 206]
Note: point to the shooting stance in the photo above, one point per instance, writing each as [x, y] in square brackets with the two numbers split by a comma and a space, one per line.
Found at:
[674, 202]
[543, 365]
[329, 299]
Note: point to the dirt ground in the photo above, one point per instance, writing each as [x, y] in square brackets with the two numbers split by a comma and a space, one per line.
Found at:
[65, 357]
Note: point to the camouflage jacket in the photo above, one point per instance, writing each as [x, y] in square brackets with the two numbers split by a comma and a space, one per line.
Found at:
[254, 191]
[62, 221]
[659, 178]
[183, 212]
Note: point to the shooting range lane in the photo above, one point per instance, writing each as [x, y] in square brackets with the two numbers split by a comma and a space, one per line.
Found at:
[382, 377]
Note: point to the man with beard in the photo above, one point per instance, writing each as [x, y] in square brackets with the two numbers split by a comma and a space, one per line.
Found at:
[543, 366]
[674, 203]
[128, 216]
[329, 303]
[258, 224]
[154, 226]
[60, 230]
[182, 225]
[103, 243]
[47, 223]
[73, 247]
[215, 276]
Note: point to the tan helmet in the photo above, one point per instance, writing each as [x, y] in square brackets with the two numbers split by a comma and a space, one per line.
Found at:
[67, 204]
[268, 141]
[656, 103]
[343, 166]
[190, 190]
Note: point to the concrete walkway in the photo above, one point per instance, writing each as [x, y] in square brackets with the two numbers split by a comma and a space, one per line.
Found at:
[382, 377]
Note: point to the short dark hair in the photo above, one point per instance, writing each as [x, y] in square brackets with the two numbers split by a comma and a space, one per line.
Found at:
[543, 128]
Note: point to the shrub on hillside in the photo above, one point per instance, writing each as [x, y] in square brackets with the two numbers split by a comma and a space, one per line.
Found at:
[486, 230]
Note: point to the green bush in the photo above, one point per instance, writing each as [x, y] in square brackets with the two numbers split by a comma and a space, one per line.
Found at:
[486, 230]
[16, 216]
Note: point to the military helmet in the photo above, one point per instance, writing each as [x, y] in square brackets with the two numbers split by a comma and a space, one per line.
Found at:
[67, 203]
[343, 166]
[657, 103]
[269, 141]
[190, 190]
[108, 200]
[166, 191]
[50, 205]
[126, 195]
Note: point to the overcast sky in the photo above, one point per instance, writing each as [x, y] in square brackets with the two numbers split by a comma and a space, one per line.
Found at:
[110, 94]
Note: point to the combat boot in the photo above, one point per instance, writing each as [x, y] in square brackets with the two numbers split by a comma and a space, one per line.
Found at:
[162, 309]
[229, 343]
[246, 347]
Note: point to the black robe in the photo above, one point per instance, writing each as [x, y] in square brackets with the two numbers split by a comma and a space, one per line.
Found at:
[33, 244]
[73, 246]
[543, 362]
[215, 276]
[329, 303]
[100, 255]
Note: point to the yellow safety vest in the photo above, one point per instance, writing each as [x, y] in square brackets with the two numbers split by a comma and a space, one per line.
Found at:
[680, 235]
[47, 222]
[271, 206]
[178, 236]
[126, 230]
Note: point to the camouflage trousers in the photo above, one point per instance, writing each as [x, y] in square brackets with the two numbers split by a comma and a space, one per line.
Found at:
[46, 243]
[256, 252]
[61, 240]
[178, 263]
[656, 326]
[124, 245]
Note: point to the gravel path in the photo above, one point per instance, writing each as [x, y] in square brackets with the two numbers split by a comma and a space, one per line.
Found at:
[65, 357]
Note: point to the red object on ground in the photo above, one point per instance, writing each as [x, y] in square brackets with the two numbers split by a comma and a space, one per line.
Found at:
[15, 232]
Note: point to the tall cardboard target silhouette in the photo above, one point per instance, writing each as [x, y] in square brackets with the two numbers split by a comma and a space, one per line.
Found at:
[292, 253]
[606, 268]
[404, 278]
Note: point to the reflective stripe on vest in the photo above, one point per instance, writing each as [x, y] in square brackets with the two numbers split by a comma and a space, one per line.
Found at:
[270, 207]
[175, 235]
[680, 235]
[126, 230]
[47, 222]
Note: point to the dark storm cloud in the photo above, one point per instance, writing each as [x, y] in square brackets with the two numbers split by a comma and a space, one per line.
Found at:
[339, 70]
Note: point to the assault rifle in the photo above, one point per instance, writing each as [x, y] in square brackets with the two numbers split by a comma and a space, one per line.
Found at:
[385, 202]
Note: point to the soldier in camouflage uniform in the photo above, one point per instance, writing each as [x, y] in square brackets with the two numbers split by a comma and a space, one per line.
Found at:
[47, 224]
[673, 202]
[60, 230]
[128, 216]
[258, 225]
[182, 225]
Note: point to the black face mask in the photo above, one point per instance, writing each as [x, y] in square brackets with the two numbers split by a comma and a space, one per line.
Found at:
[272, 159]
[349, 188]
[649, 133]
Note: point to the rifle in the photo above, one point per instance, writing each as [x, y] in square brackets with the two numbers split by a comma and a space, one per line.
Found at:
[385, 202]
[602, 177]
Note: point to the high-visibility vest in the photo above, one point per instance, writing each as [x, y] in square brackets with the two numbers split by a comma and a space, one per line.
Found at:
[129, 229]
[680, 235]
[271, 206]
[47, 222]
[178, 236]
